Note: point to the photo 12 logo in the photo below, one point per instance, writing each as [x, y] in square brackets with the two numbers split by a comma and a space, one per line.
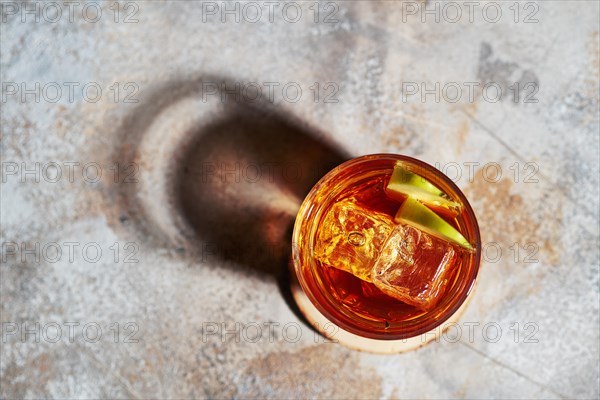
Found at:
[271, 92]
[249, 172]
[69, 92]
[69, 332]
[490, 332]
[453, 12]
[88, 172]
[70, 11]
[70, 252]
[265, 332]
[269, 11]
[490, 172]
[470, 92]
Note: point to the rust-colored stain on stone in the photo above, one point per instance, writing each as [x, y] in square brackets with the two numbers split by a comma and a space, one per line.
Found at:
[506, 217]
[40, 366]
[593, 46]
[325, 371]
[397, 138]
[502, 215]
[461, 134]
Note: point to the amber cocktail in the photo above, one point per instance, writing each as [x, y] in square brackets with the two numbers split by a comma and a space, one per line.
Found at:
[385, 247]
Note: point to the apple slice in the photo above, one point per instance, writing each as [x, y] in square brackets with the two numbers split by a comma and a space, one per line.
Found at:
[412, 212]
[405, 183]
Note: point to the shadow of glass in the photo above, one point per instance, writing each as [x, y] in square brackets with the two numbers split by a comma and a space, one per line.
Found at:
[236, 182]
[242, 182]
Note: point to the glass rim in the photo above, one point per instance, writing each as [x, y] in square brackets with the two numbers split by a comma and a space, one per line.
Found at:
[402, 330]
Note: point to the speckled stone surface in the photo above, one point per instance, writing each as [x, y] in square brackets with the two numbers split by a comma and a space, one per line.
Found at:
[199, 187]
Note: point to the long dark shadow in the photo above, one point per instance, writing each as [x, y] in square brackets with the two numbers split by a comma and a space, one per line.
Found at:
[241, 185]
[238, 180]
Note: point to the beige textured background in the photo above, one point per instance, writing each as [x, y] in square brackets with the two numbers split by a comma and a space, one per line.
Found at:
[210, 250]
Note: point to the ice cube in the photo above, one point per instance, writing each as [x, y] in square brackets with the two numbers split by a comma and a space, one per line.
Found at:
[414, 267]
[350, 238]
